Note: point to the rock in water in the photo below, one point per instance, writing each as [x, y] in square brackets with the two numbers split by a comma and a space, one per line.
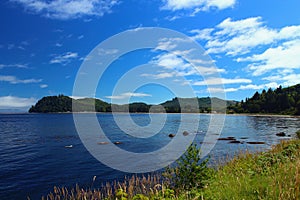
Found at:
[117, 142]
[235, 142]
[255, 142]
[227, 138]
[171, 135]
[185, 133]
[281, 134]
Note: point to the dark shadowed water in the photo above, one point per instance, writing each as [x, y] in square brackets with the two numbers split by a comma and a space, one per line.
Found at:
[34, 157]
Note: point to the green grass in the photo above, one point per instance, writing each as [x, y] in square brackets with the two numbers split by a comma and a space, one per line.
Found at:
[269, 175]
[274, 174]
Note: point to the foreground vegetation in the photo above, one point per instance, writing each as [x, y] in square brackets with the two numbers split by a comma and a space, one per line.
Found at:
[274, 174]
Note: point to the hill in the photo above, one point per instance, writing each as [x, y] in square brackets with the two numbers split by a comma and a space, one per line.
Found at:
[204, 103]
[278, 101]
[61, 103]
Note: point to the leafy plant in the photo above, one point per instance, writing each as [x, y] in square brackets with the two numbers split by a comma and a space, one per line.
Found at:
[140, 197]
[190, 172]
[121, 194]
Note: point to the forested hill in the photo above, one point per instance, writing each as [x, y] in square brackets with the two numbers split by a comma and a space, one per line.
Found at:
[278, 101]
[61, 103]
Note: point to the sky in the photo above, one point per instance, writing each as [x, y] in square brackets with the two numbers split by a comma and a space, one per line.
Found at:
[252, 45]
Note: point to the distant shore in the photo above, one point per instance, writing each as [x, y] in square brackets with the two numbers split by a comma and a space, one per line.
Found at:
[233, 114]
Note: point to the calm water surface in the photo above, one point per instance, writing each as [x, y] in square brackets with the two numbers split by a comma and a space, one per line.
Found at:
[34, 157]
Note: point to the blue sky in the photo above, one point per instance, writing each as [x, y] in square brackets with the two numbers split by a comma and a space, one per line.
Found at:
[253, 44]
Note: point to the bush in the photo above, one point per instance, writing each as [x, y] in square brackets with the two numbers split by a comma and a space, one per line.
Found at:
[190, 173]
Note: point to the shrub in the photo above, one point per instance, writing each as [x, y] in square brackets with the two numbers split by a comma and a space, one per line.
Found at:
[190, 173]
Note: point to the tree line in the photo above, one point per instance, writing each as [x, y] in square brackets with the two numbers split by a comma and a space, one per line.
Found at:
[62, 103]
[278, 101]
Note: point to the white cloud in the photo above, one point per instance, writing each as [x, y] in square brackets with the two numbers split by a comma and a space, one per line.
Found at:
[64, 58]
[220, 81]
[24, 66]
[43, 86]
[15, 80]
[172, 65]
[128, 95]
[11, 102]
[284, 77]
[275, 48]
[245, 87]
[204, 34]
[291, 79]
[241, 36]
[285, 56]
[60, 9]
[198, 4]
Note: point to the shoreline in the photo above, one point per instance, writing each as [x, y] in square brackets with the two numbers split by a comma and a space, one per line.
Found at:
[226, 114]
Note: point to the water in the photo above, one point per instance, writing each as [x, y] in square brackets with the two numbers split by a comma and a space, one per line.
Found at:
[34, 157]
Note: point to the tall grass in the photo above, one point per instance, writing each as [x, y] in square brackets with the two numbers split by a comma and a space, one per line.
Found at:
[140, 186]
[269, 175]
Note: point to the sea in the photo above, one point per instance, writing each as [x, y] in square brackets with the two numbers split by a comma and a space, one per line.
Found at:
[40, 151]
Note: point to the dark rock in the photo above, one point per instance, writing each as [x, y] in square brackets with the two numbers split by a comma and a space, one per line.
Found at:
[244, 138]
[255, 142]
[235, 142]
[185, 133]
[171, 135]
[281, 134]
[227, 138]
[117, 142]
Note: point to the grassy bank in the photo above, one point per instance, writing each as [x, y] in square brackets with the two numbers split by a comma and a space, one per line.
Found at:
[269, 175]
[274, 174]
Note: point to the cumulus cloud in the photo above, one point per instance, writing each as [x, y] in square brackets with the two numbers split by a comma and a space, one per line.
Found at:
[128, 95]
[12, 102]
[170, 65]
[203, 5]
[64, 58]
[221, 81]
[285, 77]
[285, 56]
[275, 48]
[15, 80]
[59, 9]
[237, 37]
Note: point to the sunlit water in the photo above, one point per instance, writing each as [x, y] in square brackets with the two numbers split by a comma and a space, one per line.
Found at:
[34, 157]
